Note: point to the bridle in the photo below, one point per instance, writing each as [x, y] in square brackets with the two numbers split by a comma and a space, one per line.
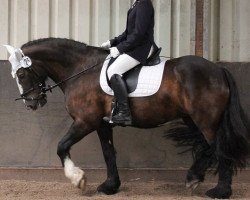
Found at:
[36, 85]
[38, 97]
[43, 89]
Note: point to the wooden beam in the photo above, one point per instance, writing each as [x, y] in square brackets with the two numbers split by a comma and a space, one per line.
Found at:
[199, 28]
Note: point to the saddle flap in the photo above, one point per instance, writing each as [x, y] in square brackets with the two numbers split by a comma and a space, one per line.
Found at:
[131, 78]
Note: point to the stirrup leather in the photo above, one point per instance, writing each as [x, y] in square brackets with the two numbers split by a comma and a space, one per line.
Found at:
[114, 111]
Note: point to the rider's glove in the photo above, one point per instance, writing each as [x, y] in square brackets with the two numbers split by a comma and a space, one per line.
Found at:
[114, 52]
[106, 45]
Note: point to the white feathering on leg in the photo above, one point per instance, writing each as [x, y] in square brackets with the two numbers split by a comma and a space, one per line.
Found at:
[75, 174]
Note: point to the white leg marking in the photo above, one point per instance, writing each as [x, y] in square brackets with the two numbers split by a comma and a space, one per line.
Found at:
[75, 174]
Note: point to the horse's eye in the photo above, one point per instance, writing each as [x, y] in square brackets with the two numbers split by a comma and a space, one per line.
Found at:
[20, 73]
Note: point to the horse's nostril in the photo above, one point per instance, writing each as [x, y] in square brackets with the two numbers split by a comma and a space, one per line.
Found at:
[29, 106]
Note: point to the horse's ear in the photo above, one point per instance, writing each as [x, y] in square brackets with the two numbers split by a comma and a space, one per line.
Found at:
[10, 49]
[18, 54]
[15, 58]
[15, 53]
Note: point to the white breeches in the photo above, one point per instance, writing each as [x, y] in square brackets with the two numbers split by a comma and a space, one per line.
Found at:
[123, 64]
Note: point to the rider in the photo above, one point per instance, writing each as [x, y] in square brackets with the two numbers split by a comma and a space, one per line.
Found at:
[131, 48]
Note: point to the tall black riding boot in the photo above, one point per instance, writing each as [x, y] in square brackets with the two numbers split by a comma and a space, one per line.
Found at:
[123, 115]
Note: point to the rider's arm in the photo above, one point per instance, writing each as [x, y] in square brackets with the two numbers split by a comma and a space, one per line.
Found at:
[119, 39]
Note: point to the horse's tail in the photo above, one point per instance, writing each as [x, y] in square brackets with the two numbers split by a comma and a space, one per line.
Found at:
[191, 139]
[232, 141]
[232, 136]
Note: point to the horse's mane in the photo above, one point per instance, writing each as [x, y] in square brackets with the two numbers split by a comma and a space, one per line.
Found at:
[60, 48]
[55, 41]
[68, 52]
[61, 42]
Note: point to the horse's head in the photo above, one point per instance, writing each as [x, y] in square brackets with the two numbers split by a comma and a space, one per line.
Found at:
[29, 82]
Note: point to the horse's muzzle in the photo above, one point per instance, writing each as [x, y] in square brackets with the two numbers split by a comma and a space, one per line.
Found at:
[33, 103]
[31, 107]
[42, 101]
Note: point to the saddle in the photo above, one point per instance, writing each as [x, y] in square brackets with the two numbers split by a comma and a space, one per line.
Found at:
[131, 76]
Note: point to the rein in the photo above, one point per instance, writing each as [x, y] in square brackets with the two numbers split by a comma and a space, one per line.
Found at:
[44, 90]
[50, 88]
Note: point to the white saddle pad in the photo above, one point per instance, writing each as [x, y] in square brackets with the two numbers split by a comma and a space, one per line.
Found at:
[149, 80]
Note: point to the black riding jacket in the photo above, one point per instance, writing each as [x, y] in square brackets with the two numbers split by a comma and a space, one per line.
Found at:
[138, 38]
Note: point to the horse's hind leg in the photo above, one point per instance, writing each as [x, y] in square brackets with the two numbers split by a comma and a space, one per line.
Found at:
[202, 161]
[203, 157]
[223, 189]
[112, 183]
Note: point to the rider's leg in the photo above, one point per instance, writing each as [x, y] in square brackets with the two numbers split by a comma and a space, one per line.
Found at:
[123, 115]
[121, 65]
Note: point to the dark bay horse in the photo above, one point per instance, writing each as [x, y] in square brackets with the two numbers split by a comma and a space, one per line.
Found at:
[194, 89]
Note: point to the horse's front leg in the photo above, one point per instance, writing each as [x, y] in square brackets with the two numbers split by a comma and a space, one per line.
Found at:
[76, 132]
[112, 183]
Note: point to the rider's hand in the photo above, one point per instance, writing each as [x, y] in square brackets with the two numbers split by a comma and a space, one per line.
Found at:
[106, 45]
[114, 52]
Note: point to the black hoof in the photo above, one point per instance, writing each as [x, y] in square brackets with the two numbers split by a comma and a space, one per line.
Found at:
[219, 192]
[109, 187]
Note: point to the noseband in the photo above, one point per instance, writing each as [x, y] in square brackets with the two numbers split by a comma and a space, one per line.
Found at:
[39, 96]
[37, 85]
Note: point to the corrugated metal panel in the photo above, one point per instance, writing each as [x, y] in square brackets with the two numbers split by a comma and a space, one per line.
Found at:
[226, 34]
[93, 22]
[228, 30]
[211, 30]
[235, 30]
[183, 26]
[4, 27]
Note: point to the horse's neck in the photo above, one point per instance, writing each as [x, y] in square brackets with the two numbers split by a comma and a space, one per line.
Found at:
[58, 68]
